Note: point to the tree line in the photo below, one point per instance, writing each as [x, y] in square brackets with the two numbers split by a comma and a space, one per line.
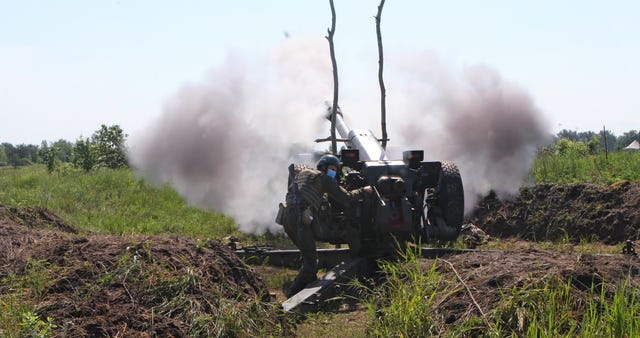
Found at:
[105, 148]
[600, 140]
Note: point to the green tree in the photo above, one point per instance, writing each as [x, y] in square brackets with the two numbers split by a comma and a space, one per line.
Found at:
[22, 154]
[49, 158]
[594, 144]
[44, 148]
[12, 155]
[63, 153]
[627, 138]
[109, 147]
[611, 140]
[64, 150]
[567, 134]
[83, 154]
[568, 147]
[3, 156]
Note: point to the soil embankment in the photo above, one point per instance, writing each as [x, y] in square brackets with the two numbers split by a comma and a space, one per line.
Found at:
[97, 285]
[585, 211]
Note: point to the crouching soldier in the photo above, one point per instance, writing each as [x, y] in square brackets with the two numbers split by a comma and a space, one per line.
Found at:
[307, 193]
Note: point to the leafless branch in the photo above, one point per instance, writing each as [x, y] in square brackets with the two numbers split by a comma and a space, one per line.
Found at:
[383, 109]
[334, 106]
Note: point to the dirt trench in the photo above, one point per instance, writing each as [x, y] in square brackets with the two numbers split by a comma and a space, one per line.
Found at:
[98, 286]
[576, 212]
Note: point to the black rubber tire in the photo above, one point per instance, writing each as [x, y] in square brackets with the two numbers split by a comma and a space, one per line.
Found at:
[451, 199]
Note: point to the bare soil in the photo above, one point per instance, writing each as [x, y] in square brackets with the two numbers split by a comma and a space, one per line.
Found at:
[585, 211]
[485, 279]
[93, 300]
[104, 285]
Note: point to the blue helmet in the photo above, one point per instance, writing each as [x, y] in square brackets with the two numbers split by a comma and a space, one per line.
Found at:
[327, 160]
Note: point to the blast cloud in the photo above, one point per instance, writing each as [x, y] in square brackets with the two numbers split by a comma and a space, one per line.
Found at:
[225, 143]
[488, 126]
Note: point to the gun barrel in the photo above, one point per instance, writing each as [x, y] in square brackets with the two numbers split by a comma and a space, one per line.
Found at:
[361, 139]
[341, 126]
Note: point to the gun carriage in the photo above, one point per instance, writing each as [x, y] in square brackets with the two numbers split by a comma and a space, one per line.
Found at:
[413, 200]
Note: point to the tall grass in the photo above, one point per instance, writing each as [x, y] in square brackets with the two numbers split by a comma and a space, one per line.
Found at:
[409, 304]
[573, 167]
[403, 305]
[617, 318]
[110, 201]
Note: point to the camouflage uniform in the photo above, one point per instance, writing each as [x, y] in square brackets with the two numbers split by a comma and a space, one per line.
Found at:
[313, 189]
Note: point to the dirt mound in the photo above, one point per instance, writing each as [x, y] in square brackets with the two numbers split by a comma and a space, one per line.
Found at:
[115, 286]
[607, 213]
[34, 218]
[490, 276]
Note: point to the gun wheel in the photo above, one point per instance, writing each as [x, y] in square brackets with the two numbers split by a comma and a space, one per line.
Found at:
[448, 213]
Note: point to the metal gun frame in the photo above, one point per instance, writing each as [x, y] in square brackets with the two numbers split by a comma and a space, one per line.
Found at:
[343, 268]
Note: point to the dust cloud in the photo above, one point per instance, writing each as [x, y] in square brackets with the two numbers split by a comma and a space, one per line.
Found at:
[225, 143]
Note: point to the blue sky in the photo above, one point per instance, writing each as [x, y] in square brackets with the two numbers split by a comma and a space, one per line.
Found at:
[68, 66]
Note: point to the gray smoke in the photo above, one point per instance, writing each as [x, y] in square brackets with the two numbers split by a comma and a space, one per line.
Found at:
[489, 127]
[225, 143]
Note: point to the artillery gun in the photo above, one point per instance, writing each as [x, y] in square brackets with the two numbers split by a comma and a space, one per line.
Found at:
[413, 200]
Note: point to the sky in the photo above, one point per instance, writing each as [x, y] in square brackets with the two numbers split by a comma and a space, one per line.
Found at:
[68, 66]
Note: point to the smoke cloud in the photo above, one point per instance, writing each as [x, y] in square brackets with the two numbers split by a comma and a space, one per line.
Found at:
[225, 143]
[489, 127]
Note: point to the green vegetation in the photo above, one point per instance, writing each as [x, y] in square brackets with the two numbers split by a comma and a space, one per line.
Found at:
[18, 316]
[171, 294]
[105, 149]
[404, 306]
[110, 201]
[574, 161]
[88, 184]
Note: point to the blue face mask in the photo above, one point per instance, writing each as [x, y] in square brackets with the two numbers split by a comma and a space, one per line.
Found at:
[331, 173]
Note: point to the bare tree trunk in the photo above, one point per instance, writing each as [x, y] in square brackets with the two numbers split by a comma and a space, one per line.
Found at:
[383, 109]
[606, 146]
[334, 106]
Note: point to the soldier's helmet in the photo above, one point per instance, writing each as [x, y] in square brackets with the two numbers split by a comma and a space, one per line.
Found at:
[327, 160]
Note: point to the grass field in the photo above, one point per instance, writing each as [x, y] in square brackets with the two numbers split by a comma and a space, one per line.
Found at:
[110, 202]
[572, 167]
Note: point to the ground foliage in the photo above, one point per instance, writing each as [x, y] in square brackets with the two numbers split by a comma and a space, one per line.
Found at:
[524, 293]
[110, 201]
[574, 164]
[58, 281]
